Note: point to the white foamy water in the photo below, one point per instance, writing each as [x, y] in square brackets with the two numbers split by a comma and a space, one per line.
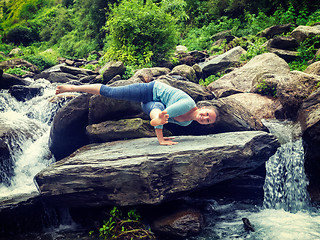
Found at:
[278, 224]
[29, 127]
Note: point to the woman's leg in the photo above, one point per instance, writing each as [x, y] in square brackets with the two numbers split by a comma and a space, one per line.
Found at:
[138, 92]
[157, 113]
[91, 88]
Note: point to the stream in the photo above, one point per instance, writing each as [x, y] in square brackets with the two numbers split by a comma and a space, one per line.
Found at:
[286, 212]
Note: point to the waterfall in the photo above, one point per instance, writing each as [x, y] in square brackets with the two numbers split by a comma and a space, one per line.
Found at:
[286, 182]
[287, 213]
[28, 125]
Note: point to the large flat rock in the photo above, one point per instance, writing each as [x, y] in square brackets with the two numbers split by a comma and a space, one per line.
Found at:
[141, 171]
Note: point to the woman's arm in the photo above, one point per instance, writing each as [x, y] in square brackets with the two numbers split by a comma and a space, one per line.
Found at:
[164, 140]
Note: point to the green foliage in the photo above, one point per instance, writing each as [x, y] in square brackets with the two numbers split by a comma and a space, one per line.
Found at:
[90, 67]
[267, 89]
[313, 18]
[22, 35]
[201, 38]
[211, 79]
[41, 62]
[129, 72]
[17, 71]
[123, 227]
[306, 52]
[73, 46]
[140, 33]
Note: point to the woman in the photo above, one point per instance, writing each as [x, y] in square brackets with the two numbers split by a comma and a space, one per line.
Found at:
[160, 101]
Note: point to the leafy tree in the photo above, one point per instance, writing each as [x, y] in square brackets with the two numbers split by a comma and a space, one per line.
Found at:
[140, 33]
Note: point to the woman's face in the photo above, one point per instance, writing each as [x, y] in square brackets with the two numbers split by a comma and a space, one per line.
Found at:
[206, 116]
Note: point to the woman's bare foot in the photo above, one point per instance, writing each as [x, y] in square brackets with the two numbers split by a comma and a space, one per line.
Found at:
[64, 88]
[161, 119]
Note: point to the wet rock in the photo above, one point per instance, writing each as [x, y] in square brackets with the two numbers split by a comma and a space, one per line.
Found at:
[13, 130]
[182, 223]
[8, 80]
[68, 131]
[310, 122]
[23, 93]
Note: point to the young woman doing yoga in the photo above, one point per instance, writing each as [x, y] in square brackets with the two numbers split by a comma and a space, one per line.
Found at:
[160, 101]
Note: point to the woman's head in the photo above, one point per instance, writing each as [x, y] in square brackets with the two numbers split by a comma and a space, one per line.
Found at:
[207, 115]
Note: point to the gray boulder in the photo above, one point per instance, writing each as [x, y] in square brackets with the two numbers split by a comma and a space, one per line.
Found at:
[111, 69]
[119, 130]
[222, 62]
[242, 79]
[285, 43]
[18, 63]
[76, 71]
[149, 74]
[276, 30]
[141, 171]
[8, 80]
[196, 91]
[185, 71]
[314, 68]
[297, 87]
[262, 107]
[302, 33]
[61, 77]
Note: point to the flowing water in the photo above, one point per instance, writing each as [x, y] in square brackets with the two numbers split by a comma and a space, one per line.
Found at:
[286, 212]
[29, 126]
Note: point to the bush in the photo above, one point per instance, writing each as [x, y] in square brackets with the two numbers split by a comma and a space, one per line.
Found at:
[17, 71]
[40, 61]
[120, 226]
[73, 46]
[140, 33]
[201, 38]
[22, 35]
